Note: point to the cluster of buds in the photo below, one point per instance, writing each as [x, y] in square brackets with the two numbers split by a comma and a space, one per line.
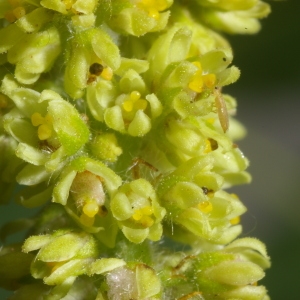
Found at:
[114, 122]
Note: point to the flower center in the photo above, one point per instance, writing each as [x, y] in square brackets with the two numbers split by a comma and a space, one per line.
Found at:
[44, 125]
[134, 103]
[199, 82]
[143, 216]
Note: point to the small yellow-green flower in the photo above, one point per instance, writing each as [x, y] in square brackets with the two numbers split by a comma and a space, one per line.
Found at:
[61, 255]
[32, 53]
[233, 16]
[92, 55]
[113, 118]
[48, 130]
[137, 17]
[228, 273]
[194, 201]
[137, 211]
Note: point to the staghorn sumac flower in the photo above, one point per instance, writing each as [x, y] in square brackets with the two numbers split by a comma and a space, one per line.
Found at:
[114, 119]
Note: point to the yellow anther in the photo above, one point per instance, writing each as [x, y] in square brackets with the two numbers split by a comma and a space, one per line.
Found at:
[138, 214]
[209, 80]
[48, 119]
[142, 216]
[86, 220]
[128, 105]
[207, 147]
[198, 65]
[235, 220]
[19, 12]
[16, 12]
[153, 13]
[44, 123]
[134, 102]
[205, 206]
[147, 210]
[153, 7]
[140, 104]
[200, 81]
[135, 95]
[37, 119]
[196, 84]
[91, 208]
[44, 132]
[107, 73]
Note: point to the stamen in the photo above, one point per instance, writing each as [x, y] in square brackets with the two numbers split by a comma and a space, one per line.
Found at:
[91, 208]
[134, 103]
[44, 123]
[235, 220]
[128, 105]
[19, 12]
[140, 104]
[37, 119]
[207, 146]
[205, 206]
[199, 81]
[135, 95]
[107, 73]
[44, 132]
[138, 214]
[16, 12]
[147, 210]
[142, 216]
[153, 7]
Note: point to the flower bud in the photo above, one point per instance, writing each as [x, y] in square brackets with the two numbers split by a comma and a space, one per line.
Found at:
[61, 255]
[141, 17]
[237, 17]
[227, 272]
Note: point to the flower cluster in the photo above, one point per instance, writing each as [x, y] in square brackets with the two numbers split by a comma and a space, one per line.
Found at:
[114, 122]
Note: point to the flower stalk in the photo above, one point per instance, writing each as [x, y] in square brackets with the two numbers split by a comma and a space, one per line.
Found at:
[115, 123]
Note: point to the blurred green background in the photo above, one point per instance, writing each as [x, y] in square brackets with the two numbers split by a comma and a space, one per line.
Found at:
[268, 95]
